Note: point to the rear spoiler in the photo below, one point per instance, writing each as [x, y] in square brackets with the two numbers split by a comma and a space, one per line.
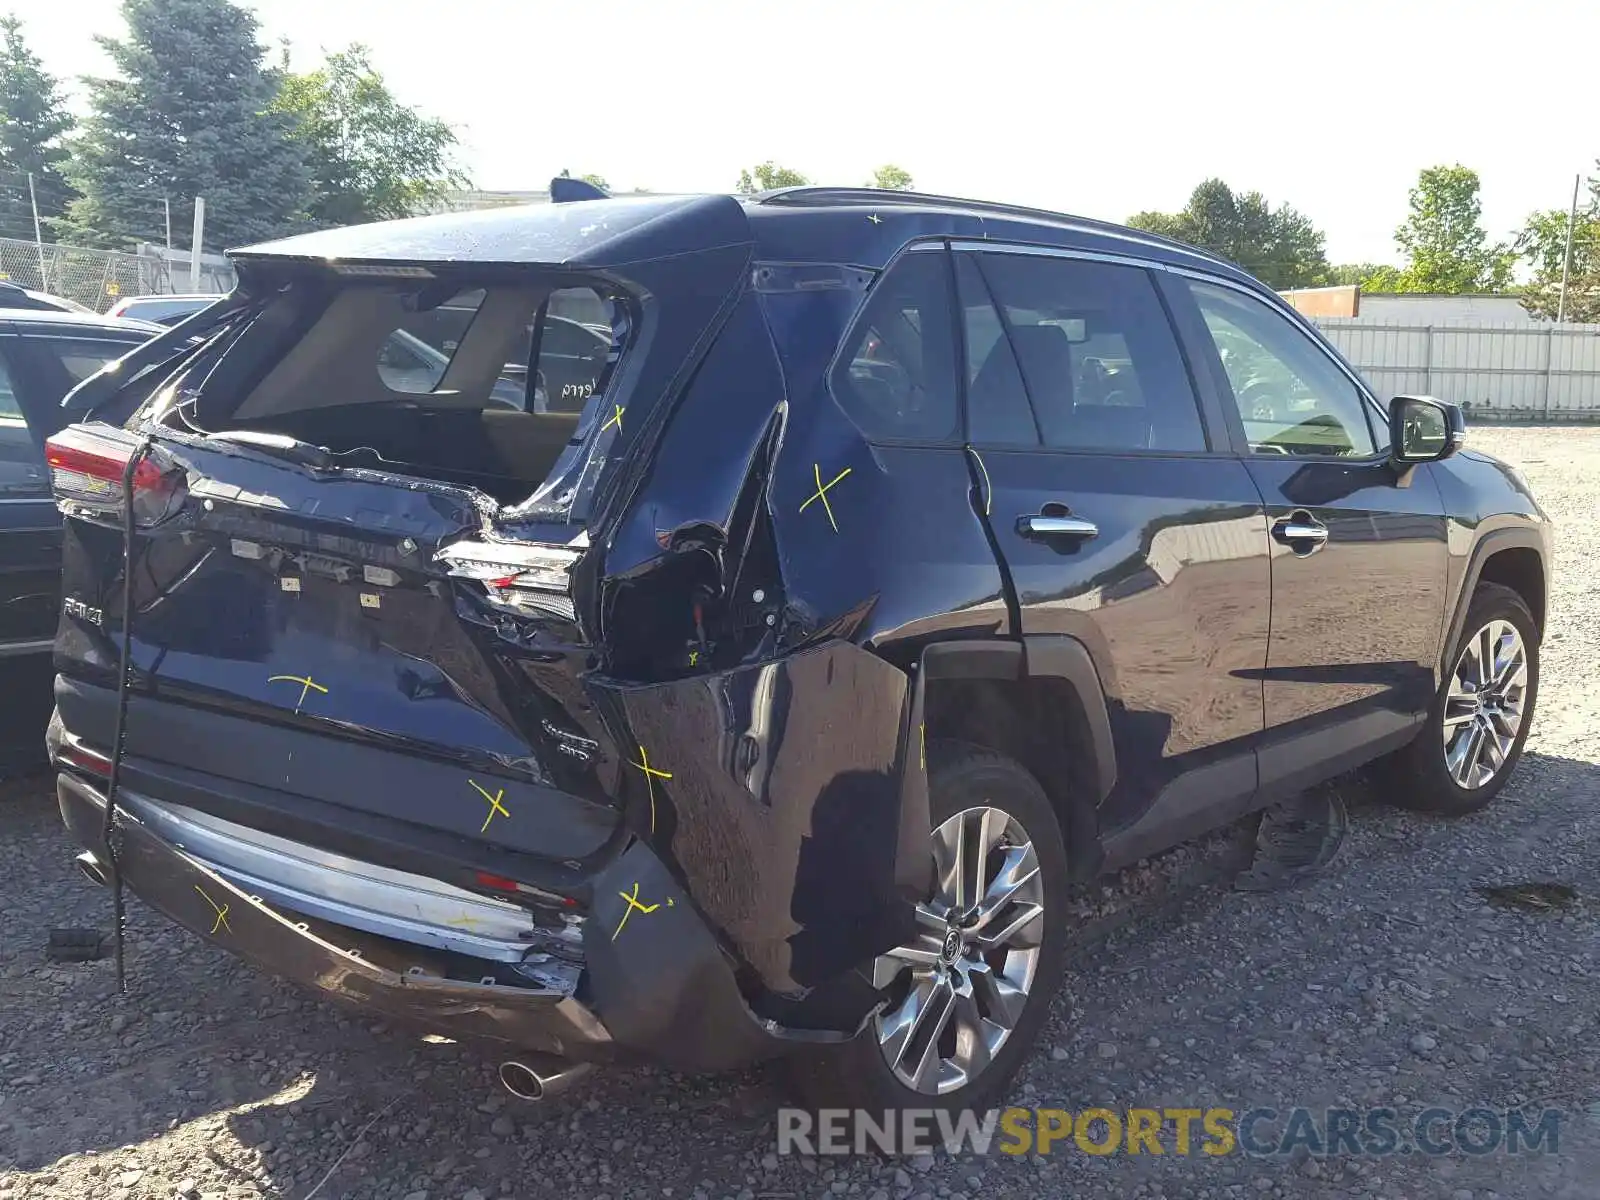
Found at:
[105, 383]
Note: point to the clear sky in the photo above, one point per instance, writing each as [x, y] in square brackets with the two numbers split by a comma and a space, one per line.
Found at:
[1100, 109]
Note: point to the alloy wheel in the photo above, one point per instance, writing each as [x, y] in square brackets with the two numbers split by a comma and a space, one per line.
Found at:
[1484, 706]
[959, 988]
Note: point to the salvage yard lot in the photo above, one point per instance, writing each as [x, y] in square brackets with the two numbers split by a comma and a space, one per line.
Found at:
[1389, 981]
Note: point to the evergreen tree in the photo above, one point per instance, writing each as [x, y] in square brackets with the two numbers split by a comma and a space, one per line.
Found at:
[191, 113]
[33, 121]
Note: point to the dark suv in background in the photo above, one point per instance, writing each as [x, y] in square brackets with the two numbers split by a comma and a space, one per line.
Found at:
[45, 352]
[911, 559]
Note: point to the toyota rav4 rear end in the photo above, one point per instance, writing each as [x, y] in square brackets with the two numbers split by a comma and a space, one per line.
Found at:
[458, 646]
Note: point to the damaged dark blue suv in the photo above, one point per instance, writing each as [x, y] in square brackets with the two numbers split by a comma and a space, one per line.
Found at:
[749, 670]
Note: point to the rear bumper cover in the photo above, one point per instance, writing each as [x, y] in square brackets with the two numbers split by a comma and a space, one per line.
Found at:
[666, 993]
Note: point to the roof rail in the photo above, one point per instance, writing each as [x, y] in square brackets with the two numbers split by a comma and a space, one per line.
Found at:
[811, 196]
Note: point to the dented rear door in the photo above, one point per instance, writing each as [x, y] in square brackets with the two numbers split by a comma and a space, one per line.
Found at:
[768, 596]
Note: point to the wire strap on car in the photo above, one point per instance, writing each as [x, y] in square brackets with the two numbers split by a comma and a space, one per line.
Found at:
[125, 667]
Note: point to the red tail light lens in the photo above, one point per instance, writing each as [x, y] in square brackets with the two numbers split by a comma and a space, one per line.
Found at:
[76, 754]
[86, 470]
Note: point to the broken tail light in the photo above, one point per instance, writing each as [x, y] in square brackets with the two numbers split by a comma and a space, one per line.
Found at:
[522, 577]
[86, 474]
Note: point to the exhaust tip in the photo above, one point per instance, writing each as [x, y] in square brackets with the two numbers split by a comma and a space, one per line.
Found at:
[522, 1081]
[93, 869]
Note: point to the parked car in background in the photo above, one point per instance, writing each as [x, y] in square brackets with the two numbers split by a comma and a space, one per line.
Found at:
[44, 353]
[18, 298]
[164, 310]
[911, 561]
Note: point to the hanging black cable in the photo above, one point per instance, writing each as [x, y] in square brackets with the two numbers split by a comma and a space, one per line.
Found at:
[124, 676]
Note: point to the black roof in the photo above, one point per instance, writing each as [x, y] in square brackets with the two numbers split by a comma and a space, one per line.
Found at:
[861, 226]
[840, 209]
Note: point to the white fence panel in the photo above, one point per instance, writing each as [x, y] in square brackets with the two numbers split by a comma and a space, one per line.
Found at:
[1517, 372]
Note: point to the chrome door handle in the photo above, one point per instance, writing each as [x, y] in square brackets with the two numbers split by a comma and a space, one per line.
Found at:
[1292, 531]
[1074, 527]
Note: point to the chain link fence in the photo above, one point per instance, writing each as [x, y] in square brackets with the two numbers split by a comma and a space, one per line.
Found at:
[97, 279]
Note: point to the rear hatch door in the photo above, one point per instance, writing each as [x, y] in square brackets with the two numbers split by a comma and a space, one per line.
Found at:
[426, 637]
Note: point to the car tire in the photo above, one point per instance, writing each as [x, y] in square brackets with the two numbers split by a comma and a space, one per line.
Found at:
[979, 987]
[1441, 771]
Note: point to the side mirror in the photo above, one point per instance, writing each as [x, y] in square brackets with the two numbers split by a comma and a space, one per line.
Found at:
[1423, 429]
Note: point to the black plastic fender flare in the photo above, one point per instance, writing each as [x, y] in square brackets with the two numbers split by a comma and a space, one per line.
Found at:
[1035, 656]
[1528, 537]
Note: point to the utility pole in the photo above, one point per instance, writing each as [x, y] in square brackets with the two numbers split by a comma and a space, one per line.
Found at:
[195, 241]
[1566, 259]
[166, 204]
[38, 235]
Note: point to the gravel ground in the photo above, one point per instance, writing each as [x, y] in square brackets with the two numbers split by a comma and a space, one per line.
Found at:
[1387, 981]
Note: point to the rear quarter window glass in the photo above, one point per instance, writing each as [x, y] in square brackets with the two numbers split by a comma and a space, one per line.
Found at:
[897, 376]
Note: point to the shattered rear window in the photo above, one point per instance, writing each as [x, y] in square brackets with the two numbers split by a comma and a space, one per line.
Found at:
[574, 335]
[488, 343]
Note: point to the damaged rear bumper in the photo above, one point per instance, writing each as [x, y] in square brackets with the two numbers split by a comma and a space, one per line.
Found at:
[665, 994]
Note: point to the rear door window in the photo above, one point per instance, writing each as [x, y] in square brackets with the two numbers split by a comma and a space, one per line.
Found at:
[80, 357]
[1096, 352]
[998, 412]
[897, 377]
[22, 469]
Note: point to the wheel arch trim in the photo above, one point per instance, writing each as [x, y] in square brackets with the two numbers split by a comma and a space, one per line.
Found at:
[1037, 656]
[1517, 537]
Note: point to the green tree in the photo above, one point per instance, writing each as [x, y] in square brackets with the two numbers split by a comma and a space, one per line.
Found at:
[1443, 238]
[1543, 243]
[371, 157]
[891, 178]
[1166, 224]
[1280, 246]
[598, 181]
[1344, 274]
[33, 122]
[191, 112]
[767, 176]
[1386, 280]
